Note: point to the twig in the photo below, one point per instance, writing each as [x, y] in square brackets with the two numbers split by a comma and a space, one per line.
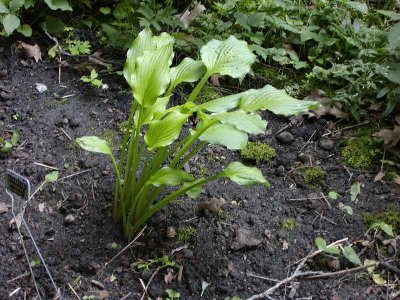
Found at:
[73, 291]
[326, 200]
[308, 141]
[262, 277]
[127, 247]
[75, 174]
[342, 272]
[45, 166]
[180, 272]
[65, 133]
[126, 296]
[345, 128]
[19, 277]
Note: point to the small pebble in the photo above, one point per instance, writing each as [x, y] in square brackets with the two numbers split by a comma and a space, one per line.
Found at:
[285, 137]
[305, 158]
[69, 219]
[326, 144]
[280, 170]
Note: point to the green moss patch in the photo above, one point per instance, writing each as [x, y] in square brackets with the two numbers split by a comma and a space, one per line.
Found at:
[314, 177]
[360, 152]
[208, 93]
[258, 152]
[391, 217]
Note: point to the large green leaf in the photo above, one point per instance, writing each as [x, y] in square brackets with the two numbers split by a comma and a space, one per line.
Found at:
[394, 36]
[142, 43]
[222, 104]
[3, 8]
[390, 14]
[277, 101]
[163, 132]
[58, 4]
[169, 176]
[158, 106]
[26, 30]
[188, 70]
[151, 77]
[351, 255]
[230, 57]
[226, 135]
[250, 123]
[359, 6]
[94, 144]
[194, 192]
[15, 5]
[10, 23]
[244, 175]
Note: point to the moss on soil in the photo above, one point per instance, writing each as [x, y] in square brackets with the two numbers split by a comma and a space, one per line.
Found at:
[360, 152]
[314, 177]
[208, 93]
[185, 233]
[257, 151]
[391, 217]
[289, 224]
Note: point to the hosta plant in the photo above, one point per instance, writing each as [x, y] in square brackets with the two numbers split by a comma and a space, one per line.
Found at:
[155, 148]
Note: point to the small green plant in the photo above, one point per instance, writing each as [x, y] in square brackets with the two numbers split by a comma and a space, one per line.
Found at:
[185, 233]
[257, 151]
[289, 224]
[172, 295]
[148, 165]
[75, 46]
[6, 145]
[314, 177]
[162, 262]
[360, 152]
[391, 218]
[347, 251]
[88, 297]
[93, 79]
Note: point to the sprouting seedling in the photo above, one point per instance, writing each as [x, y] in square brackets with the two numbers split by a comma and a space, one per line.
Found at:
[93, 79]
[162, 262]
[6, 146]
[153, 150]
[172, 295]
[347, 251]
[386, 228]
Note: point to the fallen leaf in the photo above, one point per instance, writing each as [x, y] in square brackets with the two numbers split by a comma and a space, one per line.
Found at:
[103, 295]
[169, 277]
[244, 238]
[390, 137]
[3, 208]
[213, 205]
[31, 51]
[355, 190]
[379, 176]
[189, 16]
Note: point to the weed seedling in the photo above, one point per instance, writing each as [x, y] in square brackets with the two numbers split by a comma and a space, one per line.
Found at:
[93, 79]
[185, 233]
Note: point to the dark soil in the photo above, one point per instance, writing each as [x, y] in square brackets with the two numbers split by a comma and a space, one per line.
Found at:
[77, 251]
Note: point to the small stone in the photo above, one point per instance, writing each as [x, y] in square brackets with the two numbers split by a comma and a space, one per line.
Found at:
[186, 167]
[305, 158]
[268, 233]
[40, 87]
[280, 170]
[326, 144]
[6, 96]
[65, 121]
[69, 219]
[3, 73]
[74, 123]
[282, 234]
[171, 232]
[335, 264]
[285, 137]
[24, 63]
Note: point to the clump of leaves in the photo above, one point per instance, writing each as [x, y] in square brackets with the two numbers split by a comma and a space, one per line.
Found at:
[185, 233]
[74, 45]
[6, 145]
[314, 177]
[257, 151]
[93, 79]
[347, 251]
[172, 295]
[151, 155]
[161, 262]
[360, 152]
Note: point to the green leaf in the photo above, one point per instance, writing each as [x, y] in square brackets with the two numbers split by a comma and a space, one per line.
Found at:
[226, 135]
[250, 123]
[169, 176]
[25, 29]
[243, 175]
[332, 250]
[3, 8]
[194, 192]
[222, 104]
[94, 144]
[351, 255]
[277, 101]
[93, 74]
[105, 10]
[54, 25]
[390, 14]
[10, 23]
[386, 228]
[29, 3]
[355, 190]
[51, 177]
[394, 37]
[334, 195]
[58, 4]
[230, 57]
[151, 77]
[15, 5]
[348, 210]
[359, 6]
[163, 132]
[188, 70]
[15, 137]
[378, 279]
[321, 243]
[158, 106]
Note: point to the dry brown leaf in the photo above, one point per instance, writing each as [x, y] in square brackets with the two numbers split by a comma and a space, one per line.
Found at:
[31, 51]
[379, 176]
[213, 205]
[397, 180]
[169, 277]
[189, 16]
[3, 208]
[215, 80]
[244, 238]
[390, 137]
